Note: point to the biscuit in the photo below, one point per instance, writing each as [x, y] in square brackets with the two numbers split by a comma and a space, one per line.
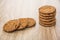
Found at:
[45, 25]
[31, 22]
[48, 22]
[11, 26]
[23, 23]
[47, 15]
[46, 18]
[47, 9]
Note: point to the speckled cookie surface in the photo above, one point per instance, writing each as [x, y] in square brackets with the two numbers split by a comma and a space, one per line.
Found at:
[23, 23]
[47, 9]
[11, 26]
[31, 22]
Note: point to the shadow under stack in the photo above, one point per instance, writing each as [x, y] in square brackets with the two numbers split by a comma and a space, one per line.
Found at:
[47, 16]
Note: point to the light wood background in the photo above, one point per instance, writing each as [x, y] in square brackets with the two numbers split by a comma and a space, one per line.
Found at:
[14, 9]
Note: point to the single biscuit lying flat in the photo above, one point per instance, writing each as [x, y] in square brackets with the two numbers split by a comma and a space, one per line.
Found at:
[31, 22]
[47, 9]
[23, 23]
[11, 26]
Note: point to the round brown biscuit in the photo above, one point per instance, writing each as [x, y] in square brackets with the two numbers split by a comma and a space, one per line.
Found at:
[48, 22]
[45, 25]
[11, 26]
[23, 23]
[31, 22]
[54, 13]
[46, 18]
[47, 15]
[47, 9]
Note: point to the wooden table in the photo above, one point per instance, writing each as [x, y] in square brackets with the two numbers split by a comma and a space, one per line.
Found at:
[14, 9]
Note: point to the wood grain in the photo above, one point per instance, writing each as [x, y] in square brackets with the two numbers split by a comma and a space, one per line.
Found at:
[13, 9]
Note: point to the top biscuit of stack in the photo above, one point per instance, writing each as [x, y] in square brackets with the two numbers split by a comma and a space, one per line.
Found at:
[47, 9]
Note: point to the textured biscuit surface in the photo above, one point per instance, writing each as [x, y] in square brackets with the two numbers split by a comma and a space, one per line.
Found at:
[11, 26]
[23, 23]
[31, 22]
[47, 9]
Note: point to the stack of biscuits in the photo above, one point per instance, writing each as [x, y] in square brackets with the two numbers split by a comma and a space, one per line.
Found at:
[18, 24]
[47, 16]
